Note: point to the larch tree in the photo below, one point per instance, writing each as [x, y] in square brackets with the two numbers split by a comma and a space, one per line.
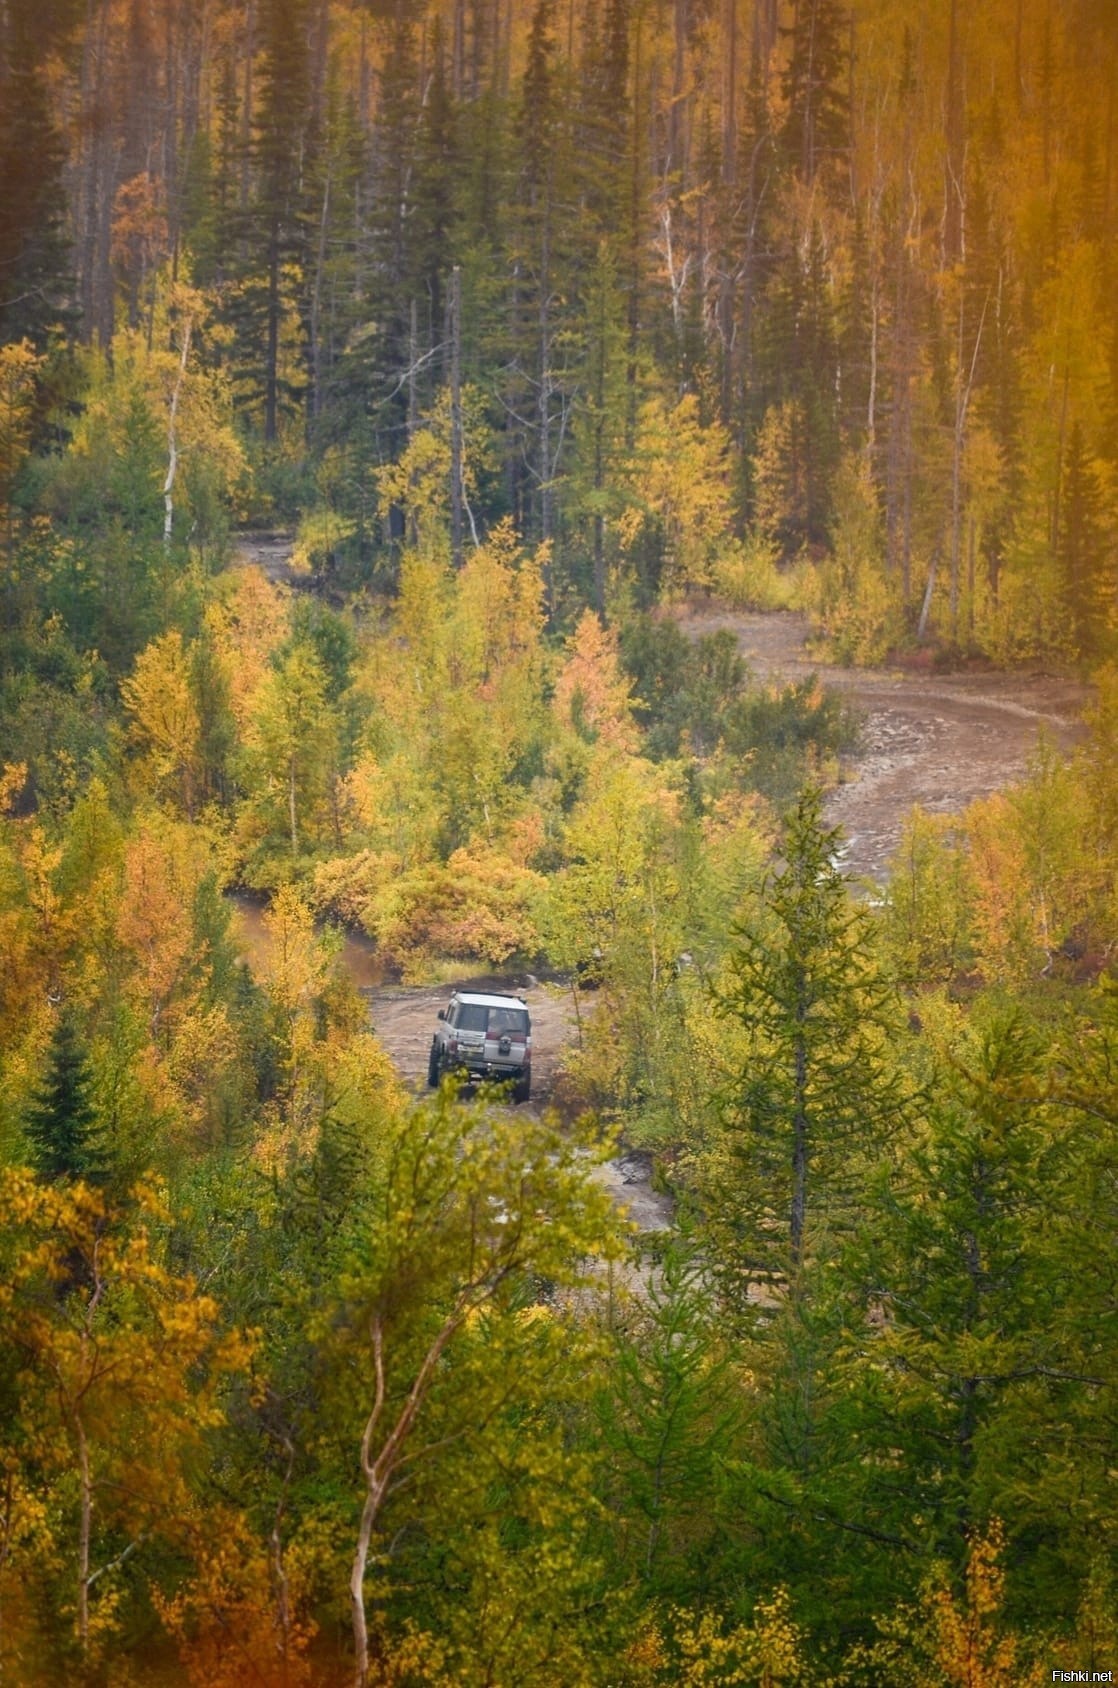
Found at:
[813, 1095]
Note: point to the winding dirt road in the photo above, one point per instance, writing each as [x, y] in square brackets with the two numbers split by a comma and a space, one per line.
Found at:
[939, 740]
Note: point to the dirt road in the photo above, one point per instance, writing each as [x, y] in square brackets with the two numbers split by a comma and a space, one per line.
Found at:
[404, 1020]
[939, 740]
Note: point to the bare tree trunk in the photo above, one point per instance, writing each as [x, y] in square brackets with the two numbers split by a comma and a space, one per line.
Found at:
[316, 301]
[1058, 494]
[599, 467]
[972, 542]
[97, 179]
[730, 94]
[292, 768]
[85, 1531]
[963, 389]
[378, 1468]
[545, 375]
[636, 245]
[929, 591]
[172, 437]
[728, 264]
[456, 488]
[458, 49]
[899, 452]
[676, 164]
[373, 1501]
[954, 164]
[247, 102]
[279, 1568]
[271, 349]
[170, 139]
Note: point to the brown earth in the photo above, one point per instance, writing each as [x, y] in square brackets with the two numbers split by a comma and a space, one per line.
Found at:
[939, 740]
[272, 553]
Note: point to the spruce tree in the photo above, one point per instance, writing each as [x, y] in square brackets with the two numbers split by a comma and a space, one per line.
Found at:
[669, 1417]
[985, 1357]
[281, 143]
[817, 128]
[1083, 553]
[61, 1123]
[815, 1097]
[806, 1118]
[36, 284]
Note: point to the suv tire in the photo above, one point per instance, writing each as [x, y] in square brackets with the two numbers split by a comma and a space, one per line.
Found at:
[433, 1065]
[522, 1089]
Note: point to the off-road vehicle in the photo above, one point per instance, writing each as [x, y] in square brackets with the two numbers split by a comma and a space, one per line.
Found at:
[485, 1035]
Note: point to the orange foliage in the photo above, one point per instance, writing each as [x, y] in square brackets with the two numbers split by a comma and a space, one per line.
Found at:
[154, 921]
[240, 1617]
[591, 693]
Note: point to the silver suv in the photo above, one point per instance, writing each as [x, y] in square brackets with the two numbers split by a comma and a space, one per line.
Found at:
[484, 1035]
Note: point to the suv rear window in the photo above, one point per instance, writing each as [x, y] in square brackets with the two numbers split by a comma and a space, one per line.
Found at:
[470, 1017]
[503, 1020]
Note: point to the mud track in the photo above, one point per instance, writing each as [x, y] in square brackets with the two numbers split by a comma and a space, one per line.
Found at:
[403, 1019]
[939, 740]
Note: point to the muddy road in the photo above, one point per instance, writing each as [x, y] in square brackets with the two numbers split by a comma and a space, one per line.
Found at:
[403, 1019]
[939, 740]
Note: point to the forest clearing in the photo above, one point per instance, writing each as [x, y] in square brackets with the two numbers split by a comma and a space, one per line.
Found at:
[614, 501]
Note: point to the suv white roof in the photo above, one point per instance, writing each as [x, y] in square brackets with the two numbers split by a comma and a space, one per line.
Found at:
[490, 999]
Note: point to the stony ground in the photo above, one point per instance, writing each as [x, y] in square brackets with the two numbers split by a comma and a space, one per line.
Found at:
[939, 740]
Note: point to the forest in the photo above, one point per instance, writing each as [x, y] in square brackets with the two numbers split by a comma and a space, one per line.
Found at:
[404, 406]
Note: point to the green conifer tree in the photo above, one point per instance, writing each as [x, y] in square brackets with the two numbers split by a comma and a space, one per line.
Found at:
[815, 1094]
[817, 128]
[61, 1124]
[36, 284]
[1086, 558]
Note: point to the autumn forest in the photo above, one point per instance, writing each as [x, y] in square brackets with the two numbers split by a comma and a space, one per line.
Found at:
[426, 429]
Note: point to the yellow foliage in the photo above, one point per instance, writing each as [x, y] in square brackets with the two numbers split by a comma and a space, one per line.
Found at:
[699, 1651]
[499, 610]
[480, 905]
[164, 718]
[116, 1363]
[681, 481]
[247, 624]
[19, 370]
[746, 575]
[952, 1641]
[155, 919]
[320, 533]
[242, 1615]
[13, 779]
[297, 964]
